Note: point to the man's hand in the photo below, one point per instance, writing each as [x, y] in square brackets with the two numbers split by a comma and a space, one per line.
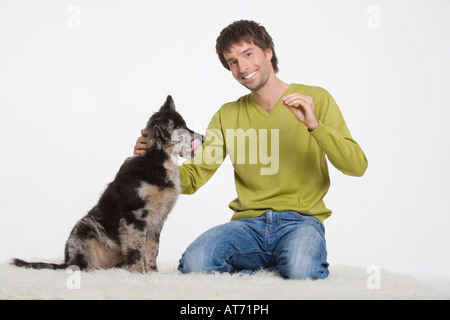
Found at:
[141, 144]
[303, 108]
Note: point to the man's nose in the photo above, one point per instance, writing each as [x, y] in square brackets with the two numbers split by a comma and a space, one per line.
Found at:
[243, 66]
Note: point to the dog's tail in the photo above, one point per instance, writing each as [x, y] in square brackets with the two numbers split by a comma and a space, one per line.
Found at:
[37, 265]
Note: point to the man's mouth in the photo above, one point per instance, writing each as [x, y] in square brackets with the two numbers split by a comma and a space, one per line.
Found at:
[250, 76]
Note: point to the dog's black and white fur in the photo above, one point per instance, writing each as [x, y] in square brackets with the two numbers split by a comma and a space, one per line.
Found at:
[123, 229]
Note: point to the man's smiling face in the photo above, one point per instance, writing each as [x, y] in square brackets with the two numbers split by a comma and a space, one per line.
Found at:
[250, 65]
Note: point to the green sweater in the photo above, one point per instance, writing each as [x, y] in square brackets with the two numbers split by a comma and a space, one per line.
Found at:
[278, 164]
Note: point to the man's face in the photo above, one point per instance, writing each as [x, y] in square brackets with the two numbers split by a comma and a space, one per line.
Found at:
[249, 64]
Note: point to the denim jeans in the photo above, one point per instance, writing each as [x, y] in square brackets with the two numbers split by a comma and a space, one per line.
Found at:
[288, 242]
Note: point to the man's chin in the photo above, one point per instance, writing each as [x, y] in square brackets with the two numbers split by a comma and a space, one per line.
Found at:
[253, 86]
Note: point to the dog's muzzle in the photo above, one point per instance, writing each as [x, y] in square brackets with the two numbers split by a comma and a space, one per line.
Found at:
[187, 142]
[196, 143]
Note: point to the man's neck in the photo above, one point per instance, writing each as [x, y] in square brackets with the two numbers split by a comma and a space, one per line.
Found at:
[267, 96]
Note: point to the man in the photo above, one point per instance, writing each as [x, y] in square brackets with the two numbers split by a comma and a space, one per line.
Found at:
[279, 213]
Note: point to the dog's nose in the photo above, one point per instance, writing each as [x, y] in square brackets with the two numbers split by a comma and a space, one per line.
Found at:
[199, 137]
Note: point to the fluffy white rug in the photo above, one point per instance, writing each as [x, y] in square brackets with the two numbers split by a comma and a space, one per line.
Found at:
[343, 283]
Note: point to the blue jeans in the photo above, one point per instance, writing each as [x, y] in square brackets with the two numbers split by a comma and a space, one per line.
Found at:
[288, 242]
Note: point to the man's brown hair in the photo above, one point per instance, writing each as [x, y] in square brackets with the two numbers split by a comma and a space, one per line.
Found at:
[245, 31]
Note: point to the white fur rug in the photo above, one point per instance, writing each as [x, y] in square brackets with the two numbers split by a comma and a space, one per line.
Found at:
[343, 283]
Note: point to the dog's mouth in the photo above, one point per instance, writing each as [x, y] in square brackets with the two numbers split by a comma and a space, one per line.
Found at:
[196, 143]
[187, 142]
[189, 152]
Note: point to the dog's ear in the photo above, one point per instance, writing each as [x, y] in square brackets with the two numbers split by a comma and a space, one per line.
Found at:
[159, 137]
[169, 104]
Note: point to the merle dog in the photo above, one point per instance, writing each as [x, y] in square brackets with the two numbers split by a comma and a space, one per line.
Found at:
[123, 229]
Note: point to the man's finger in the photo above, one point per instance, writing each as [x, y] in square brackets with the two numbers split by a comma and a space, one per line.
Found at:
[141, 140]
[295, 102]
[139, 152]
[140, 148]
[140, 145]
[292, 96]
[296, 95]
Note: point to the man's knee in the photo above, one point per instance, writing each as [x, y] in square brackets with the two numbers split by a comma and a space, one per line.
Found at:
[211, 251]
[308, 268]
[194, 261]
[304, 256]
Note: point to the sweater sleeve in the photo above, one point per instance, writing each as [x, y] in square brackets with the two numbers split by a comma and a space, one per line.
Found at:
[333, 137]
[196, 172]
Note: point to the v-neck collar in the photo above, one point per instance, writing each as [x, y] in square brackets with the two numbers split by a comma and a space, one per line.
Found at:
[275, 108]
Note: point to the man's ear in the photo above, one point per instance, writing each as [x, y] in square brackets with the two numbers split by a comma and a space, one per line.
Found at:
[269, 54]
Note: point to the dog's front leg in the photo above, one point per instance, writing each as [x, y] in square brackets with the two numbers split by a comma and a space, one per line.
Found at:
[151, 252]
[133, 247]
[135, 258]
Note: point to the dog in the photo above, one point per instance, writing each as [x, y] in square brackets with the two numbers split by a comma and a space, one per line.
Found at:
[123, 229]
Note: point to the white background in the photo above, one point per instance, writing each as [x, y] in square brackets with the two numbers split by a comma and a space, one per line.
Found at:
[79, 79]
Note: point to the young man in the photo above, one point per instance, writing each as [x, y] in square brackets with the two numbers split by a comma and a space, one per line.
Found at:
[277, 138]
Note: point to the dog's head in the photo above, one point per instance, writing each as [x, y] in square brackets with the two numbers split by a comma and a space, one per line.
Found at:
[167, 130]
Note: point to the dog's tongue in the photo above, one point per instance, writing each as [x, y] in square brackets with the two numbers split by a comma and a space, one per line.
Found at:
[195, 144]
